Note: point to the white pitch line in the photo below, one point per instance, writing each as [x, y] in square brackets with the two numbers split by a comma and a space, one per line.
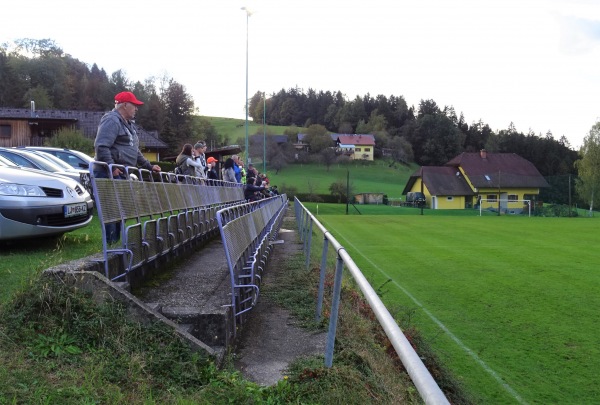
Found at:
[460, 344]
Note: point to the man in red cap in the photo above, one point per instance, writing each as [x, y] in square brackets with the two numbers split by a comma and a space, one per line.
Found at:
[117, 142]
[211, 165]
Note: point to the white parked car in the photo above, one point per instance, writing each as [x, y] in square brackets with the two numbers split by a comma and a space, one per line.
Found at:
[39, 204]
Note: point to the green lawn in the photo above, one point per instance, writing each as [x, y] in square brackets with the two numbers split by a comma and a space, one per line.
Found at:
[509, 304]
[365, 177]
[235, 129]
[21, 261]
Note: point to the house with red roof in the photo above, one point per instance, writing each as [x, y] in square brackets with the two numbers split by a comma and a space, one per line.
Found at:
[358, 147]
[472, 180]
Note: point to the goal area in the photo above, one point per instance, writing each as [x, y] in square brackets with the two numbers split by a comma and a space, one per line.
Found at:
[515, 207]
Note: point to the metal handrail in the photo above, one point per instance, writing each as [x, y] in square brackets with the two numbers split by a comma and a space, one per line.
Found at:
[426, 386]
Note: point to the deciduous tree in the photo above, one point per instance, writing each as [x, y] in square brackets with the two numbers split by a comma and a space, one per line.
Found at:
[317, 138]
[588, 184]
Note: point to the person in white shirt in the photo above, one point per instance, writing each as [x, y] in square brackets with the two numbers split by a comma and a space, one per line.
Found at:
[199, 150]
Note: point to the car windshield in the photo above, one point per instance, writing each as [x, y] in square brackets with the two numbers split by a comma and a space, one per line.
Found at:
[54, 160]
[74, 158]
[5, 162]
[25, 159]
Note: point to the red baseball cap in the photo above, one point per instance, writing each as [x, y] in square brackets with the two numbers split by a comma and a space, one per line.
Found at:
[211, 160]
[127, 97]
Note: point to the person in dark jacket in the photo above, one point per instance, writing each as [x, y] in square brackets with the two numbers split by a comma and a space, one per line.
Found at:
[117, 143]
[117, 140]
[211, 164]
[252, 191]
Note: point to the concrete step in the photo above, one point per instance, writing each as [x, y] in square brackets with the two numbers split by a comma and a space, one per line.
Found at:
[195, 291]
[211, 328]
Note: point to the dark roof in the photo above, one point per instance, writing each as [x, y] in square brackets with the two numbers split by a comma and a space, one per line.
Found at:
[149, 139]
[302, 136]
[440, 180]
[86, 121]
[486, 170]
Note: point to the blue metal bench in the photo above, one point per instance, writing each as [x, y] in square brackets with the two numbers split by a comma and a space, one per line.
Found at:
[156, 212]
[249, 232]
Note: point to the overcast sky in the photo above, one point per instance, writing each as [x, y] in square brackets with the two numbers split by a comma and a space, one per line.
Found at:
[535, 63]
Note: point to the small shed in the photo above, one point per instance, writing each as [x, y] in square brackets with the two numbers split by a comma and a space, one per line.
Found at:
[369, 198]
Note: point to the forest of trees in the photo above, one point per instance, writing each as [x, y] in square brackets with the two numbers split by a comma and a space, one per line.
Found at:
[427, 134]
[39, 70]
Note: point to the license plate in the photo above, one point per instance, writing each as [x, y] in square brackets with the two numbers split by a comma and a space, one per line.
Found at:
[74, 210]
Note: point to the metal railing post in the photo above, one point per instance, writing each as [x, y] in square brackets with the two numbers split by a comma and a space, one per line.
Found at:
[426, 386]
[308, 220]
[333, 317]
[308, 244]
[322, 274]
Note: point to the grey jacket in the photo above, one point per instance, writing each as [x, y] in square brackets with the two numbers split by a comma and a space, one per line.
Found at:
[117, 142]
[228, 175]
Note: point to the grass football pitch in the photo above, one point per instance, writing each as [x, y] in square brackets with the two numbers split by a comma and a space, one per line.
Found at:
[509, 304]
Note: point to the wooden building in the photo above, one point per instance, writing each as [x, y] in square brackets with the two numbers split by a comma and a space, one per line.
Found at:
[30, 127]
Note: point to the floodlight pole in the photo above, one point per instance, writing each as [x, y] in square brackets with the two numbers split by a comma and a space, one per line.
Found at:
[499, 206]
[422, 190]
[248, 14]
[264, 133]
[347, 189]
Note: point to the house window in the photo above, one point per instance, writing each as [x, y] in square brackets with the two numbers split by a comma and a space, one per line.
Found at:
[491, 197]
[5, 131]
[357, 149]
[513, 197]
[450, 198]
[367, 149]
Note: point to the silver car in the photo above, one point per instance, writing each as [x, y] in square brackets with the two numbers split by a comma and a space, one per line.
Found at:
[39, 204]
[33, 160]
[84, 174]
[74, 158]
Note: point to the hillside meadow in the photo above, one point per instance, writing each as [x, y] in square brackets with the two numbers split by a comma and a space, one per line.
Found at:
[508, 304]
[235, 129]
[365, 177]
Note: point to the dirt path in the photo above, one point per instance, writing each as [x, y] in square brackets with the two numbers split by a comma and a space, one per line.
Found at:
[272, 338]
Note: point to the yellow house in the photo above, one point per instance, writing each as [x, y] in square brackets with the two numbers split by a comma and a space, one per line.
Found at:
[358, 147]
[493, 181]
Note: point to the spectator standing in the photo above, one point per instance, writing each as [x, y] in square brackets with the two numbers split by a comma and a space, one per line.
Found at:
[228, 171]
[117, 142]
[242, 171]
[211, 164]
[237, 168]
[185, 162]
[200, 149]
